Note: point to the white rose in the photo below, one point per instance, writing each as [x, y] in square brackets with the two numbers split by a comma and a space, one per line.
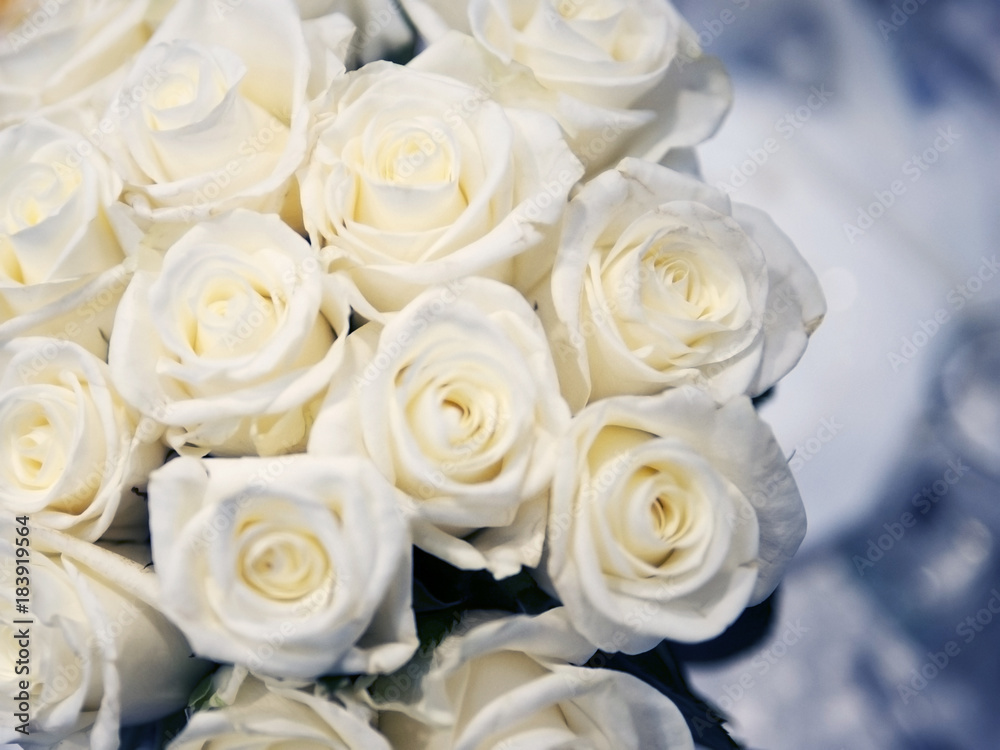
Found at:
[213, 114]
[459, 407]
[669, 516]
[659, 282]
[249, 712]
[625, 77]
[294, 566]
[510, 682]
[61, 59]
[70, 455]
[416, 179]
[99, 655]
[233, 342]
[62, 269]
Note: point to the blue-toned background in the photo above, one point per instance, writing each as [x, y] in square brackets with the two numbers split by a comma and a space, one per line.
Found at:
[885, 637]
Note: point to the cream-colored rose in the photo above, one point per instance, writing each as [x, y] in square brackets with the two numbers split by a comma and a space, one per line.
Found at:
[294, 566]
[669, 516]
[623, 77]
[329, 33]
[510, 682]
[72, 453]
[62, 268]
[248, 712]
[99, 656]
[417, 179]
[233, 342]
[459, 406]
[62, 59]
[659, 282]
[213, 114]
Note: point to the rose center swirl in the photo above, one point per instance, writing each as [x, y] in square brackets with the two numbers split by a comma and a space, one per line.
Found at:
[36, 193]
[35, 434]
[281, 563]
[409, 154]
[457, 423]
[692, 288]
[232, 315]
[662, 516]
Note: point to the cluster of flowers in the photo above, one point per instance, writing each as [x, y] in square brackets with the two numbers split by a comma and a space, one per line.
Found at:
[271, 317]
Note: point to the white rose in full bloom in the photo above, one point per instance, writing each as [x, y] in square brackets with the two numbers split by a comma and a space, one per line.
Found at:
[250, 712]
[669, 516]
[213, 113]
[233, 342]
[100, 655]
[294, 566]
[658, 282]
[61, 59]
[624, 77]
[510, 682]
[416, 179]
[459, 407]
[70, 455]
[62, 269]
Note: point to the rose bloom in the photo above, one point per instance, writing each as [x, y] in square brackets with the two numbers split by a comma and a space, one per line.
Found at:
[499, 682]
[73, 454]
[416, 179]
[457, 403]
[659, 281]
[213, 113]
[62, 268]
[669, 516]
[63, 59]
[232, 343]
[100, 656]
[294, 566]
[623, 77]
[266, 715]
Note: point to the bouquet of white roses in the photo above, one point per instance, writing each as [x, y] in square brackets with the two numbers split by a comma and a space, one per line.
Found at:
[398, 405]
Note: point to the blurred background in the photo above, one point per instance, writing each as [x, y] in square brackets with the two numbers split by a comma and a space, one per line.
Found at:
[870, 130]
